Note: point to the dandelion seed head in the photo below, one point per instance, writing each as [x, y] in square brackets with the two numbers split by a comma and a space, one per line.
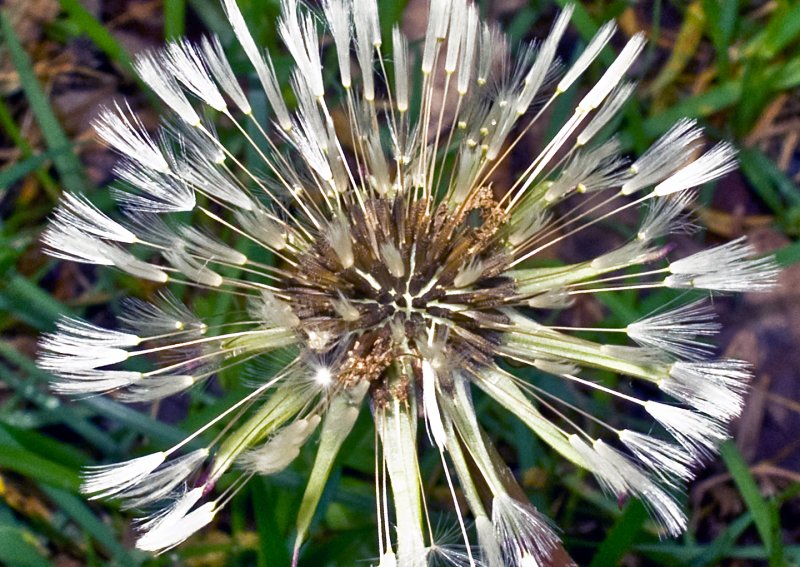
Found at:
[375, 267]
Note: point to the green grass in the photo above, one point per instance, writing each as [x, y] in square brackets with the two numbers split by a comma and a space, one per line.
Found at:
[45, 440]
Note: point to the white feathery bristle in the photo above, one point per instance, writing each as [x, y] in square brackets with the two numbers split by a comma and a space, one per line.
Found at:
[79, 346]
[630, 253]
[379, 176]
[167, 316]
[537, 75]
[668, 154]
[68, 243]
[393, 259]
[309, 109]
[619, 476]
[310, 146]
[666, 216]
[589, 170]
[72, 359]
[274, 95]
[153, 229]
[272, 311]
[261, 225]
[126, 134]
[458, 20]
[177, 524]
[555, 367]
[208, 178]
[152, 388]
[438, 20]
[441, 19]
[151, 68]
[613, 74]
[128, 263]
[523, 533]
[108, 480]
[609, 109]
[338, 16]
[368, 38]
[729, 267]
[337, 162]
[491, 553]
[491, 43]
[610, 479]
[89, 335]
[345, 308]
[586, 161]
[696, 432]
[318, 341]
[195, 269]
[638, 355]
[610, 172]
[82, 248]
[341, 241]
[502, 123]
[161, 193]
[454, 554]
[78, 212]
[161, 482]
[367, 12]
[217, 63]
[667, 460]
[715, 163]
[466, 65]
[469, 165]
[401, 69]
[186, 63]
[676, 331]
[555, 299]
[89, 382]
[263, 66]
[530, 224]
[388, 559]
[204, 144]
[711, 259]
[375, 23]
[596, 45]
[203, 245]
[430, 405]
[469, 273]
[281, 449]
[661, 505]
[311, 40]
[302, 41]
[715, 388]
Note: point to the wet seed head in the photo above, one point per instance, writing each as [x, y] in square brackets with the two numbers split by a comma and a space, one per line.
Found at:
[359, 301]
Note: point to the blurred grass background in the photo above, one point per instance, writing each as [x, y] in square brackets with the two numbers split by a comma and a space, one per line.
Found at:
[735, 65]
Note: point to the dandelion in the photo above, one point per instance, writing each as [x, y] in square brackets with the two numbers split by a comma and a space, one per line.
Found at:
[403, 280]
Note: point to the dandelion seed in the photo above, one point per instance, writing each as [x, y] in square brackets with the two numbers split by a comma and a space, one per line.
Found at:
[174, 527]
[401, 281]
[730, 267]
[676, 331]
[108, 480]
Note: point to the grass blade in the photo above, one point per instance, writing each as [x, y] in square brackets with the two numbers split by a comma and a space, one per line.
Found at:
[764, 513]
[621, 536]
[67, 163]
[174, 18]
[98, 33]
